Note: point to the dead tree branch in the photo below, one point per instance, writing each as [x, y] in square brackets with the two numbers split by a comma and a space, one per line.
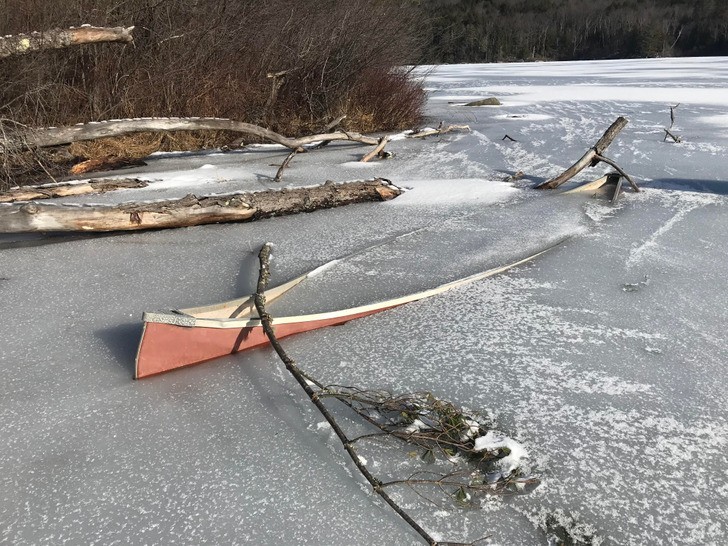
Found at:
[290, 364]
[439, 131]
[591, 158]
[464, 440]
[32, 193]
[59, 136]
[617, 168]
[21, 44]
[286, 161]
[672, 114]
[190, 210]
[376, 151]
[675, 138]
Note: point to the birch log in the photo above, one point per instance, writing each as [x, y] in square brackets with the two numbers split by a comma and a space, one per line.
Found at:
[21, 44]
[589, 158]
[190, 210]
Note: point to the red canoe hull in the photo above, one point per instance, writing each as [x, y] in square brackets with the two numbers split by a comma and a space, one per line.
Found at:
[165, 347]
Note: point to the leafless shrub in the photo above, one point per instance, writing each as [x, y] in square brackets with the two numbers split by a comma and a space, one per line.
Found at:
[211, 59]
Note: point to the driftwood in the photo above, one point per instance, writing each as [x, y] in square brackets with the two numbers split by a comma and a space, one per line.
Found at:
[285, 163]
[190, 210]
[591, 158]
[21, 44]
[378, 151]
[439, 131]
[31, 193]
[59, 136]
[675, 138]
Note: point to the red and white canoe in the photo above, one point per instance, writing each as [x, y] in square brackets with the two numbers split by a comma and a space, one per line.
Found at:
[175, 339]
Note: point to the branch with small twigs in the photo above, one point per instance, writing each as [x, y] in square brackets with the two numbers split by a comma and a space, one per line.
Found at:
[293, 369]
[419, 419]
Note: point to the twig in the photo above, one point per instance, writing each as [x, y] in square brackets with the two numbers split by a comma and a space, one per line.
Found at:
[290, 364]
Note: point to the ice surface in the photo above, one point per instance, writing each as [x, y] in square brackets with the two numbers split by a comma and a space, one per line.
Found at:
[618, 396]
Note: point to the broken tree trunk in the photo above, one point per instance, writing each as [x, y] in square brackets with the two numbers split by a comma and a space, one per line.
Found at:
[59, 136]
[190, 210]
[590, 158]
[31, 193]
[59, 38]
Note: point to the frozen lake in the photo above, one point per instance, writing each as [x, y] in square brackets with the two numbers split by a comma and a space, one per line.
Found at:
[605, 358]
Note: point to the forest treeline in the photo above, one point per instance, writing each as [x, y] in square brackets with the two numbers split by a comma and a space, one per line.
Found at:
[510, 30]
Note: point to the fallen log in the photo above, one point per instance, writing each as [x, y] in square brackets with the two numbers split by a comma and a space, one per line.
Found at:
[590, 158]
[190, 210]
[60, 136]
[21, 44]
[439, 131]
[31, 193]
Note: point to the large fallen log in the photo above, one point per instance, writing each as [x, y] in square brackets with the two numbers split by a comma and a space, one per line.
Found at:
[190, 210]
[591, 158]
[59, 136]
[21, 44]
[32, 193]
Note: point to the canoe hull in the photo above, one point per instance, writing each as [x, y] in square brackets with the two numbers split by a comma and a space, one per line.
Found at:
[165, 347]
[176, 339]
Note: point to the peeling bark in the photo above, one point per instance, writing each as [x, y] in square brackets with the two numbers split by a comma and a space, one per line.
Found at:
[190, 210]
[21, 44]
[59, 136]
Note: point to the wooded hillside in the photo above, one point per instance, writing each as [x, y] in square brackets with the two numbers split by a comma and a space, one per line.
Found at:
[508, 30]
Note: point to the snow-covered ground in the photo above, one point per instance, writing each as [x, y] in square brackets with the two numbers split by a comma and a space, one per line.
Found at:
[605, 358]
